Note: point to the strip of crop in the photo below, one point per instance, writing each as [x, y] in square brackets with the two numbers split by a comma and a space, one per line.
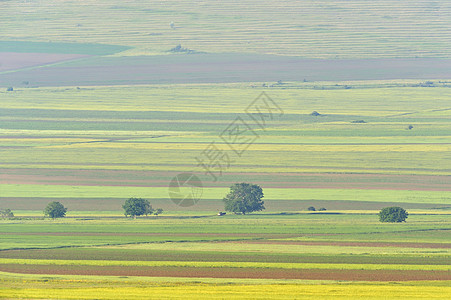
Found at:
[225, 264]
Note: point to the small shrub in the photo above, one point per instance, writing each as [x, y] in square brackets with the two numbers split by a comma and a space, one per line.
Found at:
[10, 89]
[322, 209]
[311, 208]
[180, 49]
[158, 211]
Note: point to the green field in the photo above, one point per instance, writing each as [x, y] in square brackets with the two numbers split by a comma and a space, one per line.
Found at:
[117, 142]
[268, 253]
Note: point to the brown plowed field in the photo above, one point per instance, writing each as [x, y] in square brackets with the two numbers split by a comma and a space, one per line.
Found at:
[14, 61]
[226, 68]
[219, 256]
[346, 244]
[162, 178]
[311, 274]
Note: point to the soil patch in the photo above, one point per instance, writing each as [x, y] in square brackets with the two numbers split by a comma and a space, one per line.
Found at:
[224, 68]
[14, 61]
[349, 244]
[310, 274]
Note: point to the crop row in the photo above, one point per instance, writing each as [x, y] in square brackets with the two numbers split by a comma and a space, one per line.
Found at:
[204, 264]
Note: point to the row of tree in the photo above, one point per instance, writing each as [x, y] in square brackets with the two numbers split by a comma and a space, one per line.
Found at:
[243, 198]
[133, 207]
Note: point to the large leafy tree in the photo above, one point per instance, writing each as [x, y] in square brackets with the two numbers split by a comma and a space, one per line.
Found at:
[134, 207]
[55, 210]
[244, 198]
[393, 214]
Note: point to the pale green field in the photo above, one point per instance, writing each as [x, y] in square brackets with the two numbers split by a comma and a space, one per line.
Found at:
[321, 29]
[299, 98]
[64, 191]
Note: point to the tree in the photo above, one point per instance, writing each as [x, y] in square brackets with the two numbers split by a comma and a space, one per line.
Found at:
[244, 198]
[6, 213]
[135, 207]
[55, 210]
[315, 114]
[393, 214]
[311, 208]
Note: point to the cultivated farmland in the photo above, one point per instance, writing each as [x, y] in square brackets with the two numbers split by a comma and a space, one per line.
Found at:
[111, 143]
[101, 101]
[287, 249]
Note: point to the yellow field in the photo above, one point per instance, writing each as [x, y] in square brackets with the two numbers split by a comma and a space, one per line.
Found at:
[235, 291]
